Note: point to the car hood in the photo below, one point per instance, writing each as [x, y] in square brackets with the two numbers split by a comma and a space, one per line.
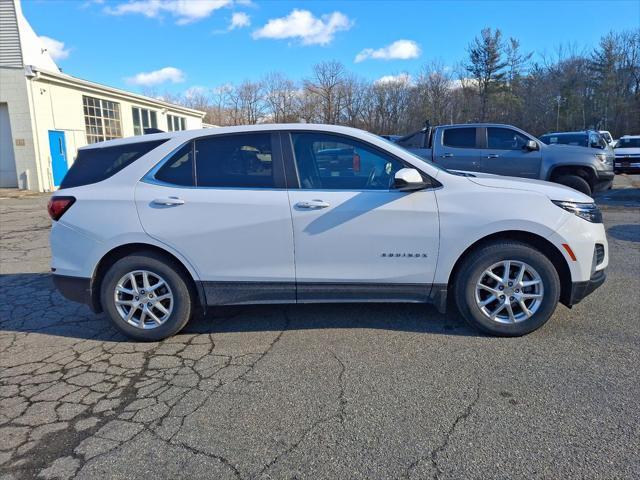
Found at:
[553, 191]
[627, 151]
[578, 150]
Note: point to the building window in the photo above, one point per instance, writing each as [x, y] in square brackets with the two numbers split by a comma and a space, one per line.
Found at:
[175, 123]
[101, 119]
[142, 119]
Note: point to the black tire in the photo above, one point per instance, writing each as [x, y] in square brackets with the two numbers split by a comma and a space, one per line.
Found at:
[183, 297]
[575, 182]
[464, 287]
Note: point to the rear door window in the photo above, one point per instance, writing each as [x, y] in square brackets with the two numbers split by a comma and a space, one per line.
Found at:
[93, 165]
[459, 137]
[178, 170]
[241, 161]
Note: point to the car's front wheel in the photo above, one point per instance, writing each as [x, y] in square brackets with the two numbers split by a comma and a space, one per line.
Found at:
[507, 288]
[575, 182]
[146, 296]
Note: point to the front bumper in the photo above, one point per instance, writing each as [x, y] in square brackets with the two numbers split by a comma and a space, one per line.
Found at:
[627, 166]
[580, 290]
[604, 180]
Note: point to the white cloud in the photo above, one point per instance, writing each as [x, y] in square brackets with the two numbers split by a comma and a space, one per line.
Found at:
[400, 78]
[398, 50]
[55, 48]
[149, 79]
[239, 20]
[304, 25]
[185, 11]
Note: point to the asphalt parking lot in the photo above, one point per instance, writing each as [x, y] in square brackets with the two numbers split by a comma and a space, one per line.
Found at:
[324, 391]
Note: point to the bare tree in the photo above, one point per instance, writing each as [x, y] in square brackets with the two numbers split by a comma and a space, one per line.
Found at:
[572, 89]
[326, 84]
[281, 97]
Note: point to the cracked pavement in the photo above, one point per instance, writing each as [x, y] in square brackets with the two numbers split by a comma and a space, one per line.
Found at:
[316, 391]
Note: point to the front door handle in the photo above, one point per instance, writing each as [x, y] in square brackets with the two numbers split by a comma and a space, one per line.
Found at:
[168, 202]
[312, 204]
[446, 155]
[493, 155]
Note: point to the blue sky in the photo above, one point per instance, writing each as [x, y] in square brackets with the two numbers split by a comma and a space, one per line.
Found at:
[206, 43]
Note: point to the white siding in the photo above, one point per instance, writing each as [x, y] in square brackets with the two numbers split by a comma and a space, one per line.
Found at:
[10, 51]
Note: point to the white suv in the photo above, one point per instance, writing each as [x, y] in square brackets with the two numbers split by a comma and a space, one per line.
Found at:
[149, 229]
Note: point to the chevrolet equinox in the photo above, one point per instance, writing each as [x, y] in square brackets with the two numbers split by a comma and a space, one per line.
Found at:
[152, 229]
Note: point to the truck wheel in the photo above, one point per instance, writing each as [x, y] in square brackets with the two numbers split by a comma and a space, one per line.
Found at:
[146, 296]
[575, 182]
[507, 288]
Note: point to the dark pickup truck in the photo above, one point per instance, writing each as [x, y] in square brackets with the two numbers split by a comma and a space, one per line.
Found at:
[507, 150]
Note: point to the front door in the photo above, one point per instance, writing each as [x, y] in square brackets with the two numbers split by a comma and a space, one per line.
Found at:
[58, 150]
[505, 154]
[228, 215]
[355, 237]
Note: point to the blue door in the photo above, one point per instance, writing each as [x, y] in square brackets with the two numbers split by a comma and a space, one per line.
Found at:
[58, 149]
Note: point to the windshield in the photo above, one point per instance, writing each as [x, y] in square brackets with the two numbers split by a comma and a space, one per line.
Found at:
[628, 143]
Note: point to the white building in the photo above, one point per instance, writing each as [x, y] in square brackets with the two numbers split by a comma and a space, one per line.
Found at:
[45, 115]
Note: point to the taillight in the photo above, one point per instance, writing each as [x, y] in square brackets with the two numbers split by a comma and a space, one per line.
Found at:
[58, 205]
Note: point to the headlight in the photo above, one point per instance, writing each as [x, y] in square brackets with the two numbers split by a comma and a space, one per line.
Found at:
[603, 157]
[587, 211]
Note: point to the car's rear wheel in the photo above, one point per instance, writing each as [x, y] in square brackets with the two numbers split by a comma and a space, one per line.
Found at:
[146, 296]
[507, 288]
[575, 182]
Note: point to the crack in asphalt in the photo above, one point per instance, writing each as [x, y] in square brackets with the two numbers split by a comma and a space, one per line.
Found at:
[433, 454]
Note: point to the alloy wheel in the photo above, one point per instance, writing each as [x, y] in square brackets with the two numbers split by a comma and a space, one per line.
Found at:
[510, 291]
[143, 299]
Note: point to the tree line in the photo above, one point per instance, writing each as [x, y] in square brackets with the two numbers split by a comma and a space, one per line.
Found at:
[497, 82]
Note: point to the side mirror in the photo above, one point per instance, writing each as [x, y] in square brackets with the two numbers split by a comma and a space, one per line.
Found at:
[531, 145]
[408, 180]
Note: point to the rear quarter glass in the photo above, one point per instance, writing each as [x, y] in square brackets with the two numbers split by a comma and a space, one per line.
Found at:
[93, 165]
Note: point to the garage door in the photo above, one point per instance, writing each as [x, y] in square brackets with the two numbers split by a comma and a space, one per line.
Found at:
[8, 177]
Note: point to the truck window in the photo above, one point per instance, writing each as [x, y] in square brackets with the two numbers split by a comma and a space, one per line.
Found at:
[459, 137]
[505, 139]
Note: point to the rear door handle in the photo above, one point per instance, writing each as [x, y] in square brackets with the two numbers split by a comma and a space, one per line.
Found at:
[493, 155]
[168, 202]
[312, 204]
[446, 155]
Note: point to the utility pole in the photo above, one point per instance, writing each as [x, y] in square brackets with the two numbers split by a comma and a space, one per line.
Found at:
[558, 99]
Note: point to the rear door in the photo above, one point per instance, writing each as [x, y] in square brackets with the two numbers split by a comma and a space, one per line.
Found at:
[355, 237]
[457, 148]
[220, 201]
[504, 153]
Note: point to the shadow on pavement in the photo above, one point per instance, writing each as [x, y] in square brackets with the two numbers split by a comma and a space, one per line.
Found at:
[629, 232]
[619, 197]
[30, 304]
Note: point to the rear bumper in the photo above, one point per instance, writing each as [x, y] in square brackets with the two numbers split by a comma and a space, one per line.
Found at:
[580, 290]
[77, 289]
